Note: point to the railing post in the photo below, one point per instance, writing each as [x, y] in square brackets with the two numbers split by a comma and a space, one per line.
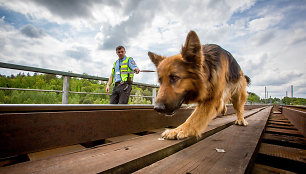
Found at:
[65, 90]
[153, 95]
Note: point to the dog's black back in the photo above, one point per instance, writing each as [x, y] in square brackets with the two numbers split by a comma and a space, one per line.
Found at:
[213, 54]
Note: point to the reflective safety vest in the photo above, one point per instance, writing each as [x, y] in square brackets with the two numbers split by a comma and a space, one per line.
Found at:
[125, 72]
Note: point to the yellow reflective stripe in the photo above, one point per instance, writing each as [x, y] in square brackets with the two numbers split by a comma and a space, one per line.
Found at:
[127, 72]
[124, 65]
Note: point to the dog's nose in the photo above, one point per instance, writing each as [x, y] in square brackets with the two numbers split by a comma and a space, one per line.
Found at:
[159, 107]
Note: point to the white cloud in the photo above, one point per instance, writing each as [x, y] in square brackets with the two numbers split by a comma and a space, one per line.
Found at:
[297, 36]
[263, 23]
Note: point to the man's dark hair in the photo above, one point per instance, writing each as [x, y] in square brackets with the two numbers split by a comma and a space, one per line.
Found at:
[120, 47]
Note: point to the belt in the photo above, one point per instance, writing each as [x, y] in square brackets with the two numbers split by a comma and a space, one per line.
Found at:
[120, 83]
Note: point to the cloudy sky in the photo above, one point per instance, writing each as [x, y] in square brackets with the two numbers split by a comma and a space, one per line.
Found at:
[267, 37]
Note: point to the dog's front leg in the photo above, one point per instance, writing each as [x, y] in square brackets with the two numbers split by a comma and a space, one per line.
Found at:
[194, 125]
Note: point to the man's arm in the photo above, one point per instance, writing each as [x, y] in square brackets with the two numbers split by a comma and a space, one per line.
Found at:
[133, 66]
[110, 80]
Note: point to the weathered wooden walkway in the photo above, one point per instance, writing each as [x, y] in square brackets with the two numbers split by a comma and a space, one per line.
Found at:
[238, 143]
[121, 139]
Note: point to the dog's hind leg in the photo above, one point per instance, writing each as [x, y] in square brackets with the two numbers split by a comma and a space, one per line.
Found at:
[238, 101]
[224, 109]
[225, 97]
[223, 112]
[195, 124]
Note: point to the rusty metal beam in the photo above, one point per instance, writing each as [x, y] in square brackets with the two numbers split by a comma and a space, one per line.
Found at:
[297, 118]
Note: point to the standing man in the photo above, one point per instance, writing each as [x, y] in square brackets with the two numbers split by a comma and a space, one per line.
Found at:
[122, 75]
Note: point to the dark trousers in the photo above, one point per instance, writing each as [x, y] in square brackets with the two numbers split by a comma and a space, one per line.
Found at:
[121, 94]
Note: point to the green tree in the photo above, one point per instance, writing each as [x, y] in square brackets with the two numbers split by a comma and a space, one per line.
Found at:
[253, 98]
[296, 101]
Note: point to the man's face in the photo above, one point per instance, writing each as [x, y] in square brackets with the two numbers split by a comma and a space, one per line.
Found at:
[120, 53]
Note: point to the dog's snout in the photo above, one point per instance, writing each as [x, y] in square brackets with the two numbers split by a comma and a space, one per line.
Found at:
[159, 107]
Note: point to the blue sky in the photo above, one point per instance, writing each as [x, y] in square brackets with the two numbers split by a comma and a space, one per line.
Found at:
[267, 37]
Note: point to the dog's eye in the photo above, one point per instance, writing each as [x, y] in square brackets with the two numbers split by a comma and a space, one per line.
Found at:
[173, 79]
[160, 80]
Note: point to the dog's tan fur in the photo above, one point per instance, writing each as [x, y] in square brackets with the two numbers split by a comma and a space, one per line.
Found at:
[207, 75]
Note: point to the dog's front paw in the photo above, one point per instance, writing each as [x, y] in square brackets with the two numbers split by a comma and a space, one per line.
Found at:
[178, 133]
[170, 134]
[241, 122]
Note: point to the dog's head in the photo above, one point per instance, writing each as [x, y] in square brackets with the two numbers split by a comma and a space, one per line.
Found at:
[180, 76]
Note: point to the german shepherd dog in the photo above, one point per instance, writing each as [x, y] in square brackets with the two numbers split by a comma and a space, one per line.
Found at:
[204, 74]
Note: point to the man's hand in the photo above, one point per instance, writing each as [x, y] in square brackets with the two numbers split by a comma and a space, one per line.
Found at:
[136, 70]
[107, 89]
[109, 83]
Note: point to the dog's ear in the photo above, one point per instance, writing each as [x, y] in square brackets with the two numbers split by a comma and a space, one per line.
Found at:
[192, 50]
[156, 59]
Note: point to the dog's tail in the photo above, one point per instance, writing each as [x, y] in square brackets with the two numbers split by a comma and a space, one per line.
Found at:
[247, 79]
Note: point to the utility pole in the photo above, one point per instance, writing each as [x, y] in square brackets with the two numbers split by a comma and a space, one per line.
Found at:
[267, 96]
[265, 93]
[291, 94]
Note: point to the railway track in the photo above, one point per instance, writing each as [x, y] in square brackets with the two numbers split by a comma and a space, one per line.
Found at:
[282, 149]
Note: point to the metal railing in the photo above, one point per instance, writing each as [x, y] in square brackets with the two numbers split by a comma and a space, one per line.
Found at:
[66, 79]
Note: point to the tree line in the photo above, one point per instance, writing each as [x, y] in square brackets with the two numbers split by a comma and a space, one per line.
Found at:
[54, 82]
[286, 100]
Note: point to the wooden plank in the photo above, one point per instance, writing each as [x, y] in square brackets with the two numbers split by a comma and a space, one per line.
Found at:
[281, 126]
[294, 154]
[287, 123]
[122, 138]
[284, 131]
[280, 122]
[126, 156]
[259, 168]
[238, 142]
[249, 107]
[285, 140]
[13, 108]
[280, 118]
[22, 133]
[55, 152]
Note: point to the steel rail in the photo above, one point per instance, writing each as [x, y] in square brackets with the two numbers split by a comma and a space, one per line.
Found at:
[48, 71]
